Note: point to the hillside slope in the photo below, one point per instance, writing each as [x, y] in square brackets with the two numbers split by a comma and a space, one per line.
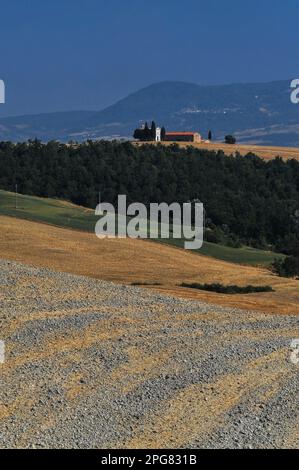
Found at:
[130, 261]
[259, 113]
[90, 364]
[65, 214]
[256, 112]
[263, 151]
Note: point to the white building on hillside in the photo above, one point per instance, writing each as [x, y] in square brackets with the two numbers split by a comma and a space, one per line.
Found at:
[158, 134]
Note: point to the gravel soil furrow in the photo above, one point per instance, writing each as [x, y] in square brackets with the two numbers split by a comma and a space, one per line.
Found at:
[92, 364]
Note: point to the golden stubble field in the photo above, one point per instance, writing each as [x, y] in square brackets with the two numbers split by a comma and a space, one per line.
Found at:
[129, 261]
[265, 152]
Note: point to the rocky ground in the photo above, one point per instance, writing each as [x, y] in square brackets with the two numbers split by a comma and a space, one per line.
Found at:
[91, 364]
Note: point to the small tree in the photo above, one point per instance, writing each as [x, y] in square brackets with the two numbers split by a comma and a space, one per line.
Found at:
[153, 130]
[210, 135]
[163, 133]
[138, 134]
[288, 267]
[230, 139]
[147, 132]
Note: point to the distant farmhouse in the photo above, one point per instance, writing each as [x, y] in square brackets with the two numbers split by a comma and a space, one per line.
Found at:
[182, 137]
[159, 134]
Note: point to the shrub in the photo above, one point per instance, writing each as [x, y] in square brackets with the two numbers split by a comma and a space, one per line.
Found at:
[288, 267]
[230, 139]
[221, 289]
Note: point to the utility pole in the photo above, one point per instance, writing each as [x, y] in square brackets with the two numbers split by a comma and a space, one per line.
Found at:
[16, 197]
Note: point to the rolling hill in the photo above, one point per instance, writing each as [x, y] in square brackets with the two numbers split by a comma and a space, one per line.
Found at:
[259, 113]
[92, 364]
[65, 241]
[67, 215]
[262, 151]
[152, 265]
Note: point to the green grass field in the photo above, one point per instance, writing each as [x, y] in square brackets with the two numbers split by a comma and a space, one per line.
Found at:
[67, 215]
[244, 255]
[51, 211]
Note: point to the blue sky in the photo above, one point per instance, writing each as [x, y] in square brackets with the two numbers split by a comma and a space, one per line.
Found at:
[73, 54]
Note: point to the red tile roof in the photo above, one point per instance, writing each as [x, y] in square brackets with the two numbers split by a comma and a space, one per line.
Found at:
[181, 133]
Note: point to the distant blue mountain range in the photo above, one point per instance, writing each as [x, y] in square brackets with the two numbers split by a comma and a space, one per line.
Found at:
[259, 113]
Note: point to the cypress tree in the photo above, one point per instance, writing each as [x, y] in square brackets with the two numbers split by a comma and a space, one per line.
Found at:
[147, 132]
[153, 130]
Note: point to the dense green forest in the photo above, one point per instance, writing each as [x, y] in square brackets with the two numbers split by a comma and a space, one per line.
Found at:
[247, 200]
